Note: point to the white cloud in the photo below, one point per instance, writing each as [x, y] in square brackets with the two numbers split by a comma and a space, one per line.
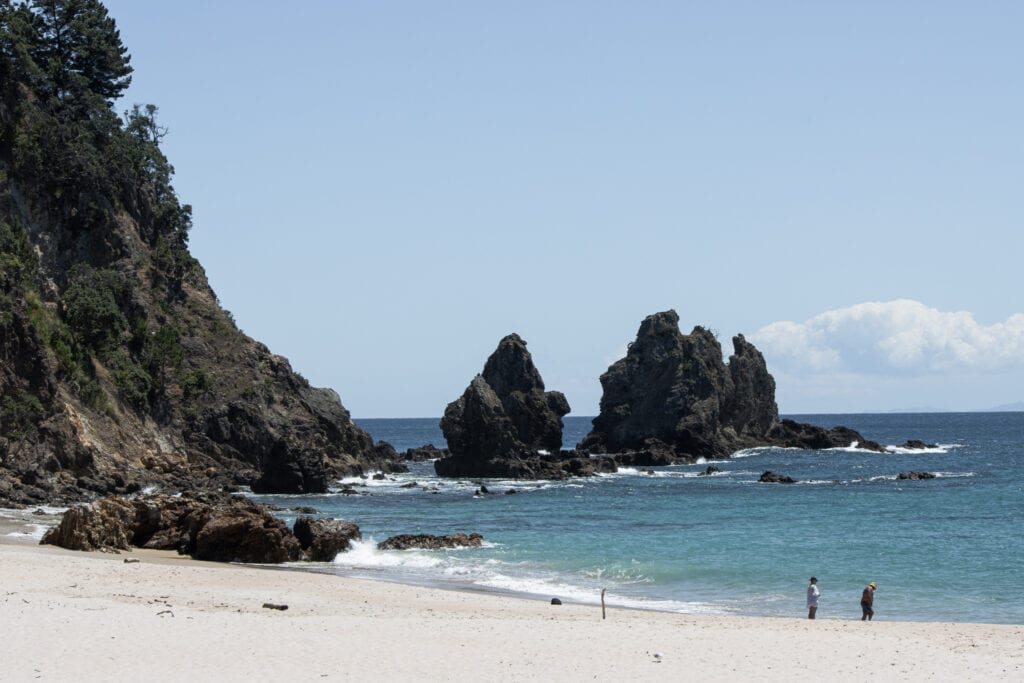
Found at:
[892, 338]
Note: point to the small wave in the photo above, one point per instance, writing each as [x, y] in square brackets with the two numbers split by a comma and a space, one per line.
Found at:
[751, 452]
[900, 450]
[547, 588]
[364, 554]
[34, 532]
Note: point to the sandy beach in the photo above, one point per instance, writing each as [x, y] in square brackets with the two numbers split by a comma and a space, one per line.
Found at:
[92, 616]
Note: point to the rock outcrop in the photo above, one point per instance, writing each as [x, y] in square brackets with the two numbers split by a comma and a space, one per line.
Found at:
[770, 477]
[792, 434]
[674, 397]
[431, 542]
[506, 425]
[322, 539]
[914, 476]
[221, 529]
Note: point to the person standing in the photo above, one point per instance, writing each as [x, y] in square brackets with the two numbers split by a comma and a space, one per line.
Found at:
[867, 601]
[812, 598]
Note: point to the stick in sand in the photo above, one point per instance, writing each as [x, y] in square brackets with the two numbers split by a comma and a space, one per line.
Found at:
[602, 602]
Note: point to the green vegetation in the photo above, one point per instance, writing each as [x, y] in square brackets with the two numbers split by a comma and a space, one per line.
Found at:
[70, 160]
[20, 412]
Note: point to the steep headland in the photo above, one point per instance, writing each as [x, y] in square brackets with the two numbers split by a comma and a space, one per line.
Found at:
[118, 366]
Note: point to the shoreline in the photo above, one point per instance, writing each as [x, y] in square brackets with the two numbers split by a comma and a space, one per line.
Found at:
[71, 615]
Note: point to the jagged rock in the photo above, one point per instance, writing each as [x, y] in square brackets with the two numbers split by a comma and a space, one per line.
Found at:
[711, 469]
[505, 422]
[430, 542]
[916, 475]
[791, 434]
[103, 525]
[775, 478]
[322, 539]
[917, 444]
[674, 391]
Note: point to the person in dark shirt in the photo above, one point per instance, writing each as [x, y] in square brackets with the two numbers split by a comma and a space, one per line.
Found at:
[867, 601]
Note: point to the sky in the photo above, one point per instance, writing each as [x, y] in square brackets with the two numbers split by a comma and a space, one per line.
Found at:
[383, 190]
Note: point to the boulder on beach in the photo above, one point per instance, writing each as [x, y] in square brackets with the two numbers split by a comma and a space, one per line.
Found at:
[223, 529]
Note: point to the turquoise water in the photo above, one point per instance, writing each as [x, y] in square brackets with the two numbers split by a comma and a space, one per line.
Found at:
[946, 549]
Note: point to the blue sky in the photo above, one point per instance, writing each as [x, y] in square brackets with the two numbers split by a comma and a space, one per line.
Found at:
[383, 190]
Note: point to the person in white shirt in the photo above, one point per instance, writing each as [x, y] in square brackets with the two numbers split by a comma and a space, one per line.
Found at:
[812, 598]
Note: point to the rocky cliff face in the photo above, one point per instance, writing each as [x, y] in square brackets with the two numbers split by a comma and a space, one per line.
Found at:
[673, 395]
[118, 367]
[506, 425]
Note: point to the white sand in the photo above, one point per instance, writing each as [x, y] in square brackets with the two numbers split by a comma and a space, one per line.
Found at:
[89, 616]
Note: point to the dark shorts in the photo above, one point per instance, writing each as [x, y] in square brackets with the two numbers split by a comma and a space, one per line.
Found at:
[866, 608]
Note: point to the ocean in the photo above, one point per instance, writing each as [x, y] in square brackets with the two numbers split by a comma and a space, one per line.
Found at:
[664, 538]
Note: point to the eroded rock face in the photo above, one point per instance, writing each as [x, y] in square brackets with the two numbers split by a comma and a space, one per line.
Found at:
[104, 525]
[504, 419]
[674, 397]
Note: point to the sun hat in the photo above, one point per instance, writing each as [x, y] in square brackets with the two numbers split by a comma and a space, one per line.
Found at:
[873, 584]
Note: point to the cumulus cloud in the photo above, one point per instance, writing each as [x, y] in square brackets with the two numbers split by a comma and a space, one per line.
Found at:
[901, 337]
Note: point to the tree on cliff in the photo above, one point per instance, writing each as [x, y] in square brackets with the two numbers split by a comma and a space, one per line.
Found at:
[79, 50]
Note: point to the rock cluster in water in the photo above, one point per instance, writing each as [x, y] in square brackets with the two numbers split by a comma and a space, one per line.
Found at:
[671, 399]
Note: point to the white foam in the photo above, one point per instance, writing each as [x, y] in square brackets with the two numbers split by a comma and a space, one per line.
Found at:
[35, 533]
[364, 554]
[542, 587]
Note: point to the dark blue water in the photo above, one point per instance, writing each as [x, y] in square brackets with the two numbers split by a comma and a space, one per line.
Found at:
[945, 549]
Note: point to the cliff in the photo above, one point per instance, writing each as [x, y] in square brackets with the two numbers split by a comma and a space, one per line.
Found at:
[118, 367]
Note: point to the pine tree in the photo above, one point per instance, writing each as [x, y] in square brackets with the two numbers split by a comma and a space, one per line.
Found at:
[80, 52]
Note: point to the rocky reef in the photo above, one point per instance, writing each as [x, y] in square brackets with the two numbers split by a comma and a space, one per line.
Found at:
[506, 425]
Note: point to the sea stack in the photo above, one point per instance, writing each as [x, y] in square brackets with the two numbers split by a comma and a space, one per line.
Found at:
[674, 397]
[505, 424]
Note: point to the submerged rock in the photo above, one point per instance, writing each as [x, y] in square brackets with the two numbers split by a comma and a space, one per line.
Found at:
[770, 477]
[916, 475]
[430, 542]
